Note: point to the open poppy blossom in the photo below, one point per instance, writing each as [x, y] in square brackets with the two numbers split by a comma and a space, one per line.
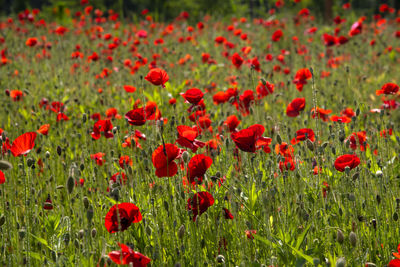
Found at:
[16, 95]
[125, 161]
[245, 100]
[264, 89]
[129, 88]
[294, 107]
[394, 263]
[276, 36]
[232, 122]
[347, 160]
[187, 137]
[112, 113]
[127, 256]
[284, 149]
[227, 214]
[48, 204]
[360, 137]
[98, 157]
[157, 77]
[44, 129]
[102, 126]
[119, 177]
[2, 178]
[163, 160]
[388, 89]
[237, 60]
[342, 119]
[136, 117]
[302, 135]
[193, 96]
[199, 203]
[23, 144]
[301, 77]
[246, 139]
[288, 164]
[121, 216]
[322, 114]
[197, 167]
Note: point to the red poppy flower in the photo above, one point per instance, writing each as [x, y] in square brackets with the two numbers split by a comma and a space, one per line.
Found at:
[98, 157]
[237, 60]
[347, 160]
[294, 107]
[2, 178]
[163, 160]
[187, 137]
[355, 29]
[276, 36]
[245, 100]
[119, 177]
[48, 204]
[31, 41]
[112, 113]
[62, 117]
[125, 161]
[362, 139]
[193, 96]
[199, 203]
[128, 256]
[329, 40]
[136, 117]
[288, 164]
[124, 213]
[227, 214]
[232, 122]
[343, 119]
[249, 233]
[246, 139]
[44, 129]
[102, 126]
[394, 263]
[388, 89]
[322, 113]
[23, 144]
[157, 77]
[151, 111]
[302, 135]
[301, 77]
[264, 89]
[129, 88]
[284, 149]
[348, 112]
[197, 167]
[16, 95]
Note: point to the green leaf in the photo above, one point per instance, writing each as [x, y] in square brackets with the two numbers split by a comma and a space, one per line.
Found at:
[42, 241]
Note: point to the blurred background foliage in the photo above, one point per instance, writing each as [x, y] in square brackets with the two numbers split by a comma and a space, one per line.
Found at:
[164, 10]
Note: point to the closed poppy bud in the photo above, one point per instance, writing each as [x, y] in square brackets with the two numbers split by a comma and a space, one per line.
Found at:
[94, 232]
[353, 239]
[5, 165]
[181, 231]
[86, 202]
[185, 156]
[70, 184]
[339, 236]
[2, 220]
[341, 262]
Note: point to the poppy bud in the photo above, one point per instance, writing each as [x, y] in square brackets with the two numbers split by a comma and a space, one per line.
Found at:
[220, 259]
[378, 199]
[279, 139]
[2, 220]
[379, 173]
[48, 205]
[47, 154]
[148, 230]
[310, 145]
[5, 165]
[93, 232]
[70, 184]
[263, 81]
[347, 170]
[30, 162]
[115, 130]
[183, 119]
[341, 262]
[181, 231]
[59, 150]
[85, 202]
[84, 117]
[355, 176]
[81, 233]
[21, 232]
[89, 214]
[353, 239]
[351, 197]
[370, 264]
[185, 157]
[66, 238]
[339, 236]
[374, 223]
[76, 243]
[7, 91]
[333, 150]
[395, 216]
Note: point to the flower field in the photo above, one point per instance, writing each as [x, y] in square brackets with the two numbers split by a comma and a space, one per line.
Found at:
[269, 141]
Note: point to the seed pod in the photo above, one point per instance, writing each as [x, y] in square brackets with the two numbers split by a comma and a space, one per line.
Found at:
[220, 259]
[81, 233]
[2, 220]
[279, 139]
[341, 262]
[66, 238]
[30, 162]
[70, 184]
[47, 154]
[89, 214]
[181, 231]
[84, 117]
[93, 232]
[185, 157]
[339, 236]
[5, 165]
[353, 239]
[85, 202]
